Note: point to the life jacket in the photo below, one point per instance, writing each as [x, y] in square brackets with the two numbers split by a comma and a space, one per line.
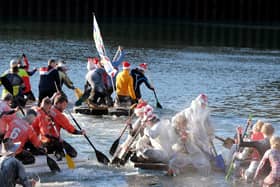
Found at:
[25, 77]
[12, 83]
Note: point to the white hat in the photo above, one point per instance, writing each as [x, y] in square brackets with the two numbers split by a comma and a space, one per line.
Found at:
[8, 147]
[13, 63]
[62, 64]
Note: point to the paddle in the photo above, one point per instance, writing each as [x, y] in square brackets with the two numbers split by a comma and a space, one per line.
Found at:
[158, 104]
[100, 156]
[116, 142]
[219, 161]
[78, 93]
[51, 162]
[230, 169]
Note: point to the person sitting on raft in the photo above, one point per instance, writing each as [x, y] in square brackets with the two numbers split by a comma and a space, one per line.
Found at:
[261, 145]
[154, 145]
[124, 87]
[124, 151]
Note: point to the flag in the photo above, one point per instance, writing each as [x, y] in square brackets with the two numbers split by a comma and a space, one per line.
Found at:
[98, 39]
[101, 50]
[108, 66]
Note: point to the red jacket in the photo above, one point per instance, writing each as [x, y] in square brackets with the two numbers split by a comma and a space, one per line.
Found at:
[61, 121]
[42, 125]
[20, 131]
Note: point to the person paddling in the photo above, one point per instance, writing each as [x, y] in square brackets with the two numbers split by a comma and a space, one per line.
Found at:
[63, 77]
[49, 80]
[138, 75]
[7, 114]
[52, 130]
[124, 87]
[21, 130]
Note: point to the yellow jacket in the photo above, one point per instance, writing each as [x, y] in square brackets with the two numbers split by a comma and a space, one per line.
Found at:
[124, 84]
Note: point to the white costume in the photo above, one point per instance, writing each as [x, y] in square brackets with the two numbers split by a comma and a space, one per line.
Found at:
[193, 132]
[155, 144]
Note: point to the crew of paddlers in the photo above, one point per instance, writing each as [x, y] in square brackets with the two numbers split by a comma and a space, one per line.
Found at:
[183, 143]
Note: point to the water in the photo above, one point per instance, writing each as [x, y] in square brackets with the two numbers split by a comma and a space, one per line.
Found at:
[239, 80]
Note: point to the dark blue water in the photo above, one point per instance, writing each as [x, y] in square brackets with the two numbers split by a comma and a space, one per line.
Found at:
[239, 80]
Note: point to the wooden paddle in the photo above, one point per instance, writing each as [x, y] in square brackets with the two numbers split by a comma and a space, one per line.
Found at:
[117, 141]
[100, 156]
[78, 93]
[70, 162]
[158, 104]
[230, 169]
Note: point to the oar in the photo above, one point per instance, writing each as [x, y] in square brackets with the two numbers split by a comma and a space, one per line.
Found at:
[117, 141]
[230, 169]
[158, 104]
[219, 161]
[224, 140]
[51, 162]
[100, 156]
[78, 93]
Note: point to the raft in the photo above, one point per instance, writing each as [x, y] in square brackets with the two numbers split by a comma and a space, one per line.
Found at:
[90, 110]
[151, 166]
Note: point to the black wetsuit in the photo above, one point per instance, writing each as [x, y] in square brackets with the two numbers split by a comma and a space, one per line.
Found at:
[138, 79]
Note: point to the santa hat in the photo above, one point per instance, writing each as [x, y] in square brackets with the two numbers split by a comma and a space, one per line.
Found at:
[126, 65]
[92, 62]
[143, 66]
[140, 107]
[148, 113]
[202, 99]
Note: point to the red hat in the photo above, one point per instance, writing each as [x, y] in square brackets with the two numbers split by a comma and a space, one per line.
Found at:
[126, 65]
[140, 107]
[143, 66]
[202, 98]
[93, 60]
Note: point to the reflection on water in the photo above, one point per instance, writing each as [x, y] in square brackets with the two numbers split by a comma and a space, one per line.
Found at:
[150, 33]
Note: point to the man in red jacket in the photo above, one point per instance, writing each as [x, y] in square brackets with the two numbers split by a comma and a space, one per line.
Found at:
[50, 131]
[21, 130]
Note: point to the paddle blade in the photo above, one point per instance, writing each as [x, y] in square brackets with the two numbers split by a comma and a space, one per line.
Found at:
[101, 157]
[158, 105]
[78, 93]
[70, 162]
[114, 147]
[220, 163]
[52, 164]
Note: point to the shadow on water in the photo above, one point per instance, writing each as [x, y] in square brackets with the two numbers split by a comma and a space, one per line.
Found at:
[149, 33]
